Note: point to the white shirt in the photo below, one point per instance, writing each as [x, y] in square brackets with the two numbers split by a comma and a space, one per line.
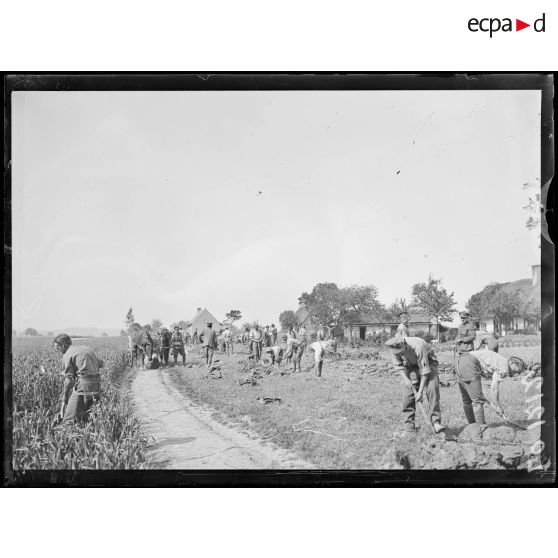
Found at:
[493, 364]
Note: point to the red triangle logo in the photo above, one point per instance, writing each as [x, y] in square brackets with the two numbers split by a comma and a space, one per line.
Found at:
[519, 25]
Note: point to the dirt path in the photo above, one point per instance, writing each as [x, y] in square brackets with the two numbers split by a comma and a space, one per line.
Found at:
[185, 436]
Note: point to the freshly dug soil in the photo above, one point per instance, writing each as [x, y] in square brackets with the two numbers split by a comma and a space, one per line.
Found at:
[502, 447]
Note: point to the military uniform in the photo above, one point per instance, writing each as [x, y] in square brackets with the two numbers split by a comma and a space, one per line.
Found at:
[417, 359]
[466, 334]
[469, 371]
[209, 344]
[82, 383]
[256, 338]
[227, 336]
[164, 338]
[177, 343]
[298, 352]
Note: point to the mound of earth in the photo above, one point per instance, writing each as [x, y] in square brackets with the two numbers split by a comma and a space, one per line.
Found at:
[494, 448]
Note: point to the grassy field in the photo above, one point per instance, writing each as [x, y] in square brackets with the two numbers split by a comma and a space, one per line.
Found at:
[112, 438]
[346, 419]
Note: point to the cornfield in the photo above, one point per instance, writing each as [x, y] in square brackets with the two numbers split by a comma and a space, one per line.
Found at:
[111, 439]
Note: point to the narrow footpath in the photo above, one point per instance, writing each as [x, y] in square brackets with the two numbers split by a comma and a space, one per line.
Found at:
[185, 436]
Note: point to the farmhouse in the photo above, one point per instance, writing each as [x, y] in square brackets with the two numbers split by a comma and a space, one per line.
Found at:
[530, 290]
[366, 326]
[200, 319]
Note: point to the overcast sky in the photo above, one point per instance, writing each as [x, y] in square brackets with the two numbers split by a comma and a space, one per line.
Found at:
[169, 201]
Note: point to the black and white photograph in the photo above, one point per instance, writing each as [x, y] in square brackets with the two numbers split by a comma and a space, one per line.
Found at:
[274, 273]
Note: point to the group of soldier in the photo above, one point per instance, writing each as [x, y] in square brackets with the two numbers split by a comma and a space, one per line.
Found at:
[262, 342]
[475, 356]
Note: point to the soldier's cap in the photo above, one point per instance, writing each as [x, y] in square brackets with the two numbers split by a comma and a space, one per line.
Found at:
[402, 313]
[464, 313]
[395, 342]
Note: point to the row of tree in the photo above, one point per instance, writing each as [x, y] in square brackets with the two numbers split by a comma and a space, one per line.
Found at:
[156, 324]
[331, 305]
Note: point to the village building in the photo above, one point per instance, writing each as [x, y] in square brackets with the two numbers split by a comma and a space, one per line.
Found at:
[367, 326]
[200, 320]
[530, 290]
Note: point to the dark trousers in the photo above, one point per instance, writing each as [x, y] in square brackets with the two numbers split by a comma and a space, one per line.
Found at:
[297, 357]
[78, 407]
[432, 391]
[473, 400]
[179, 351]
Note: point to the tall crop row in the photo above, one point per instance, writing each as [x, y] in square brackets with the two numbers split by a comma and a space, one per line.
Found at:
[111, 439]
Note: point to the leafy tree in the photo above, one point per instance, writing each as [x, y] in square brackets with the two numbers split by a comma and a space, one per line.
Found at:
[104, 334]
[504, 306]
[31, 331]
[156, 324]
[50, 334]
[123, 333]
[325, 304]
[130, 320]
[395, 308]
[233, 316]
[359, 301]
[435, 299]
[497, 303]
[287, 319]
[329, 305]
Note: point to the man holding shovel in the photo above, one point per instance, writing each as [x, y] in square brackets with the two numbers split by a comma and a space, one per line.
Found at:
[470, 368]
[82, 382]
[417, 365]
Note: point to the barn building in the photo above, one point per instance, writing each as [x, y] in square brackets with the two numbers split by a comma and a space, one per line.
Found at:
[367, 326]
[200, 319]
[530, 289]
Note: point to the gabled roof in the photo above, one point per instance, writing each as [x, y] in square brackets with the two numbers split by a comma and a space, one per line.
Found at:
[525, 286]
[208, 316]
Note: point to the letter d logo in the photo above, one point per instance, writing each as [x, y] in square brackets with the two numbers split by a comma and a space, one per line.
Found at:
[539, 24]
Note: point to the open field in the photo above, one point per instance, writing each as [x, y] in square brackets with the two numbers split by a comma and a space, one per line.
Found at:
[346, 419]
[112, 438]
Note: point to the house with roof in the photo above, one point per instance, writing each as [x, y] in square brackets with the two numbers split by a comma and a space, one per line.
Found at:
[368, 325]
[530, 290]
[200, 320]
